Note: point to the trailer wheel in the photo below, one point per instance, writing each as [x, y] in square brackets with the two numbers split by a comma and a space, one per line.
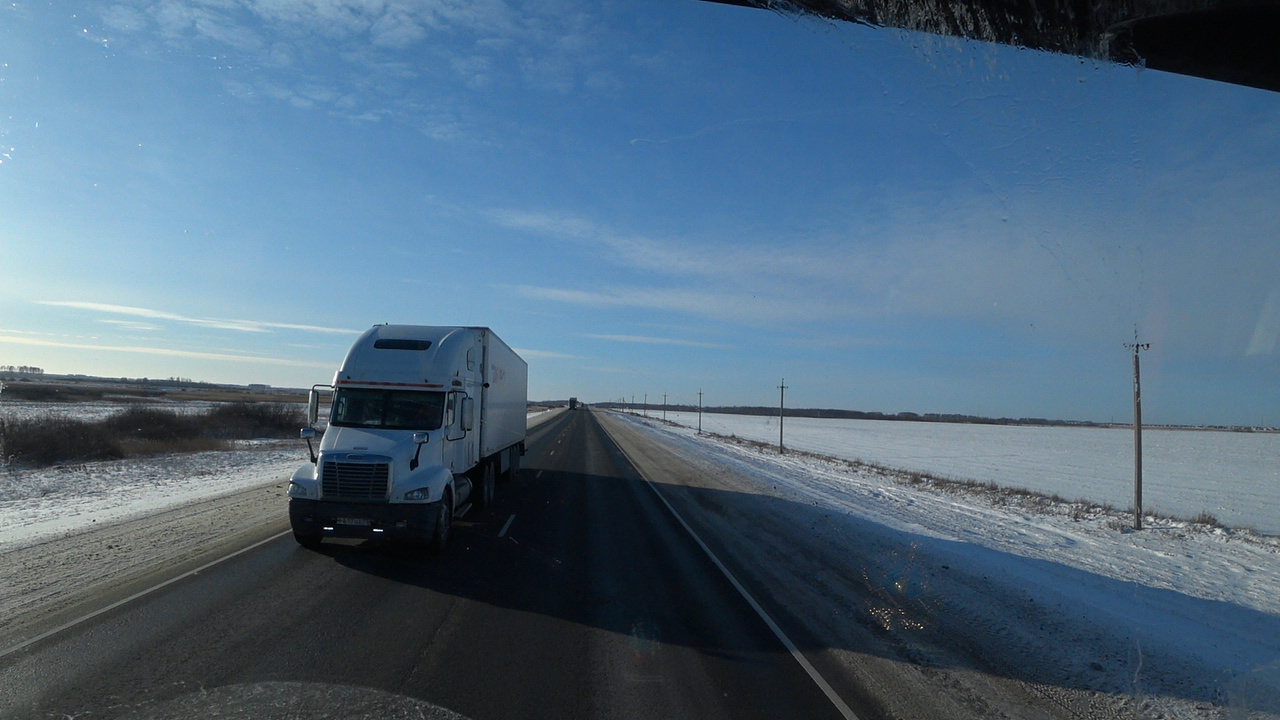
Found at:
[444, 521]
[484, 498]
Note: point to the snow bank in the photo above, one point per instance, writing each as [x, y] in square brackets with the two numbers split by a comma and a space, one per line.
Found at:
[36, 504]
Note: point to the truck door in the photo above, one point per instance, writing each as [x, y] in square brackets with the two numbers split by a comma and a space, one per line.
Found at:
[459, 444]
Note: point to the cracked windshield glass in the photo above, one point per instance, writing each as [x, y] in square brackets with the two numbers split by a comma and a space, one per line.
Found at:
[685, 359]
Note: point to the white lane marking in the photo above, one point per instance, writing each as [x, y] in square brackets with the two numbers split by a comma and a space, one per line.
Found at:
[553, 452]
[135, 596]
[817, 678]
[506, 526]
[538, 476]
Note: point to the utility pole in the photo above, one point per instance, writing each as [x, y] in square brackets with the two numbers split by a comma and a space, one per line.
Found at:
[1137, 428]
[782, 404]
[633, 404]
[646, 404]
[664, 407]
[699, 411]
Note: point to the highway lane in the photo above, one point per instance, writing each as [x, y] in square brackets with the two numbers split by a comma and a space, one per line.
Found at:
[577, 595]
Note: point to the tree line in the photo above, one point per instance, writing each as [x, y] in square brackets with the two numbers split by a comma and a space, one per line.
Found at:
[22, 369]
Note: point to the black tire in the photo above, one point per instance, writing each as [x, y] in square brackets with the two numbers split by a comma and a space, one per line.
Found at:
[444, 524]
[485, 488]
[310, 542]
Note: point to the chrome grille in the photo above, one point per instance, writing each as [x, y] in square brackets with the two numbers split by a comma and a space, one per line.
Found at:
[354, 481]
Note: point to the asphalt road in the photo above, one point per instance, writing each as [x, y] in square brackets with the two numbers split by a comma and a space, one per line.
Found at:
[577, 595]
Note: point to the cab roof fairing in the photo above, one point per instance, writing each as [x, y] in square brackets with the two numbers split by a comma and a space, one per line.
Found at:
[434, 367]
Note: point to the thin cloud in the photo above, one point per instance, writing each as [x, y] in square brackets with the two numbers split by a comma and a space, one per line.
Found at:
[383, 39]
[130, 324]
[688, 257]
[543, 354]
[255, 326]
[656, 341]
[738, 307]
[169, 352]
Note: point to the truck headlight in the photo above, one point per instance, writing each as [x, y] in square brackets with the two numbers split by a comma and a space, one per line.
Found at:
[298, 490]
[418, 495]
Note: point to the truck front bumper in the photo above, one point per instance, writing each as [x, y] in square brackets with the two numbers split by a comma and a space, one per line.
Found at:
[319, 518]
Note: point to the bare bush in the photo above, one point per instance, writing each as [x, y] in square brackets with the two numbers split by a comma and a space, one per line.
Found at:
[142, 431]
[53, 440]
[153, 424]
[255, 420]
[1207, 518]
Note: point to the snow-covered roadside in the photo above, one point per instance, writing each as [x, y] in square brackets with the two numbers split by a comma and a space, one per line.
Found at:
[1167, 619]
[535, 419]
[36, 504]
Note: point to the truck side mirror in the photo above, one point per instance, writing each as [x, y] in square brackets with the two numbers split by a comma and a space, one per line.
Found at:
[419, 439]
[313, 406]
[309, 434]
[468, 414]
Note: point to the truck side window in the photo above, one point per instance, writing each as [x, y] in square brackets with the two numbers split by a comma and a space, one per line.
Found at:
[471, 359]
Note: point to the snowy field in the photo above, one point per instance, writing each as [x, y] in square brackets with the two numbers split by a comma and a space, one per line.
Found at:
[91, 411]
[1233, 476]
[1172, 616]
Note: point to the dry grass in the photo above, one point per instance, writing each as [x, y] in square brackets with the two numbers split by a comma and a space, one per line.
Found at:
[140, 431]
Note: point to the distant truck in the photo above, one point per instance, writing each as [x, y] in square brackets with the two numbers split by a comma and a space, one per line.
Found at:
[422, 421]
[573, 403]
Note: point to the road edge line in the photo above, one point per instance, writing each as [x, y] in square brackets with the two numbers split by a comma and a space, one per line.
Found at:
[791, 647]
[89, 616]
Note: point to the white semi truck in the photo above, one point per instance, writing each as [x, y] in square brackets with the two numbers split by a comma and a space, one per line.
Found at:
[422, 421]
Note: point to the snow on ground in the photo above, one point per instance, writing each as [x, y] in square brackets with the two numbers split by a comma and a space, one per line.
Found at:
[536, 418]
[1205, 599]
[94, 410]
[1235, 476]
[36, 504]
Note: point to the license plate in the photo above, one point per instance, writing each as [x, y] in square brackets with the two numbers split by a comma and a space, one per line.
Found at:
[358, 522]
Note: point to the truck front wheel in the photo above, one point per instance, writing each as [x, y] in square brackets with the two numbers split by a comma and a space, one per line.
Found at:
[444, 521]
[306, 540]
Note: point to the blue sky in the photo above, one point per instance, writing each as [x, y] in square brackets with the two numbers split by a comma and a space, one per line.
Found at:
[653, 196]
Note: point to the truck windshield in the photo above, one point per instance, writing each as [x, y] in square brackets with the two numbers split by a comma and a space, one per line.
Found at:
[389, 409]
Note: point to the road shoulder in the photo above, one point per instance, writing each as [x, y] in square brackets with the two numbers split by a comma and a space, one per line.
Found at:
[49, 583]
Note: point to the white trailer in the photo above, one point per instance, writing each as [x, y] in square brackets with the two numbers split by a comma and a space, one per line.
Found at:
[422, 422]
